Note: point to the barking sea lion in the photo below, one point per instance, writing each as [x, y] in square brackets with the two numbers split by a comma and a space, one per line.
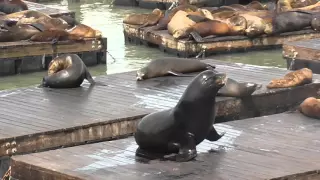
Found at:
[179, 129]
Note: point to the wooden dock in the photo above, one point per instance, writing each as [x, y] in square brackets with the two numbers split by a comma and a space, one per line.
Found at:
[186, 48]
[53, 12]
[275, 147]
[24, 56]
[35, 119]
[302, 54]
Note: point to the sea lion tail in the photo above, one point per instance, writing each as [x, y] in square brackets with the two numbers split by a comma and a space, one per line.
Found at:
[196, 36]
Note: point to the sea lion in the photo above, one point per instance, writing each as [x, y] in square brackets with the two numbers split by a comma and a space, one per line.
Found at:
[171, 66]
[51, 35]
[315, 23]
[25, 14]
[84, 31]
[70, 20]
[310, 107]
[47, 22]
[144, 19]
[292, 79]
[9, 8]
[22, 5]
[256, 5]
[168, 15]
[179, 25]
[286, 5]
[256, 26]
[18, 33]
[233, 88]
[180, 129]
[67, 71]
[291, 21]
[206, 27]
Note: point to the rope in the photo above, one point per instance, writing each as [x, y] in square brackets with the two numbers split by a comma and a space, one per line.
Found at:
[7, 175]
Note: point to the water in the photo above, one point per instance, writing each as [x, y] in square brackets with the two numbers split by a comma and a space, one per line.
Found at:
[100, 15]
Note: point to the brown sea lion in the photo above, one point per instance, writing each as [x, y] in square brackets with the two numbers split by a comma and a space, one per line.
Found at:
[311, 7]
[52, 35]
[206, 27]
[179, 24]
[18, 33]
[310, 107]
[25, 14]
[171, 66]
[256, 26]
[291, 21]
[286, 5]
[256, 5]
[144, 19]
[84, 31]
[164, 21]
[47, 22]
[292, 79]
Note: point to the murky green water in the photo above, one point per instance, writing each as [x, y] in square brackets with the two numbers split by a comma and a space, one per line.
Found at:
[100, 15]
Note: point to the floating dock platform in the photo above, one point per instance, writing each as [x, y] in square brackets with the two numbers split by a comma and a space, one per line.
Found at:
[275, 147]
[24, 56]
[302, 54]
[189, 48]
[36, 119]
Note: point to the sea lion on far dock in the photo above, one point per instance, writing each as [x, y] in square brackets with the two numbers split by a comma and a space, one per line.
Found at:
[18, 33]
[180, 129]
[287, 5]
[171, 66]
[233, 88]
[144, 19]
[310, 107]
[206, 27]
[288, 21]
[292, 79]
[67, 71]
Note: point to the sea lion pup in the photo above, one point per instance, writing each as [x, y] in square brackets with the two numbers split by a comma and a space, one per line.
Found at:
[233, 88]
[67, 71]
[171, 66]
[291, 21]
[180, 129]
[18, 33]
[310, 107]
[164, 21]
[144, 19]
[292, 79]
[206, 27]
[286, 5]
[84, 31]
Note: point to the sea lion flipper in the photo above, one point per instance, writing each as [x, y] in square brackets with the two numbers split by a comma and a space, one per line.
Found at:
[143, 25]
[178, 74]
[196, 36]
[196, 18]
[213, 135]
[38, 26]
[89, 78]
[187, 149]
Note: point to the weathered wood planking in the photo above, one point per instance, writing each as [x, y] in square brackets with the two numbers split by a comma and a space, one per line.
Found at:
[277, 147]
[27, 48]
[35, 119]
[185, 48]
[53, 12]
[303, 54]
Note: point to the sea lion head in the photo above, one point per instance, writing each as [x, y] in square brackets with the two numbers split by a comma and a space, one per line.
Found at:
[59, 63]
[180, 33]
[238, 24]
[157, 11]
[206, 13]
[141, 74]
[209, 82]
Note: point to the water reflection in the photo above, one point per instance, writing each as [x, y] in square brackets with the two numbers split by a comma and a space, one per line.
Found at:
[108, 19]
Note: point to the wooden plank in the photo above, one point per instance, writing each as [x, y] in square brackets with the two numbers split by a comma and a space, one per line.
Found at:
[251, 149]
[26, 48]
[185, 48]
[53, 12]
[36, 119]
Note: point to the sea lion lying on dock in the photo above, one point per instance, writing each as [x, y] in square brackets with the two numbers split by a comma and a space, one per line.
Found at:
[292, 79]
[47, 22]
[232, 88]
[67, 71]
[144, 19]
[310, 107]
[206, 27]
[180, 129]
[84, 31]
[171, 66]
[287, 5]
[18, 33]
[12, 6]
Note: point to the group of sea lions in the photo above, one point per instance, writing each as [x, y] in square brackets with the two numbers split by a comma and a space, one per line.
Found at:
[19, 23]
[252, 20]
[173, 134]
